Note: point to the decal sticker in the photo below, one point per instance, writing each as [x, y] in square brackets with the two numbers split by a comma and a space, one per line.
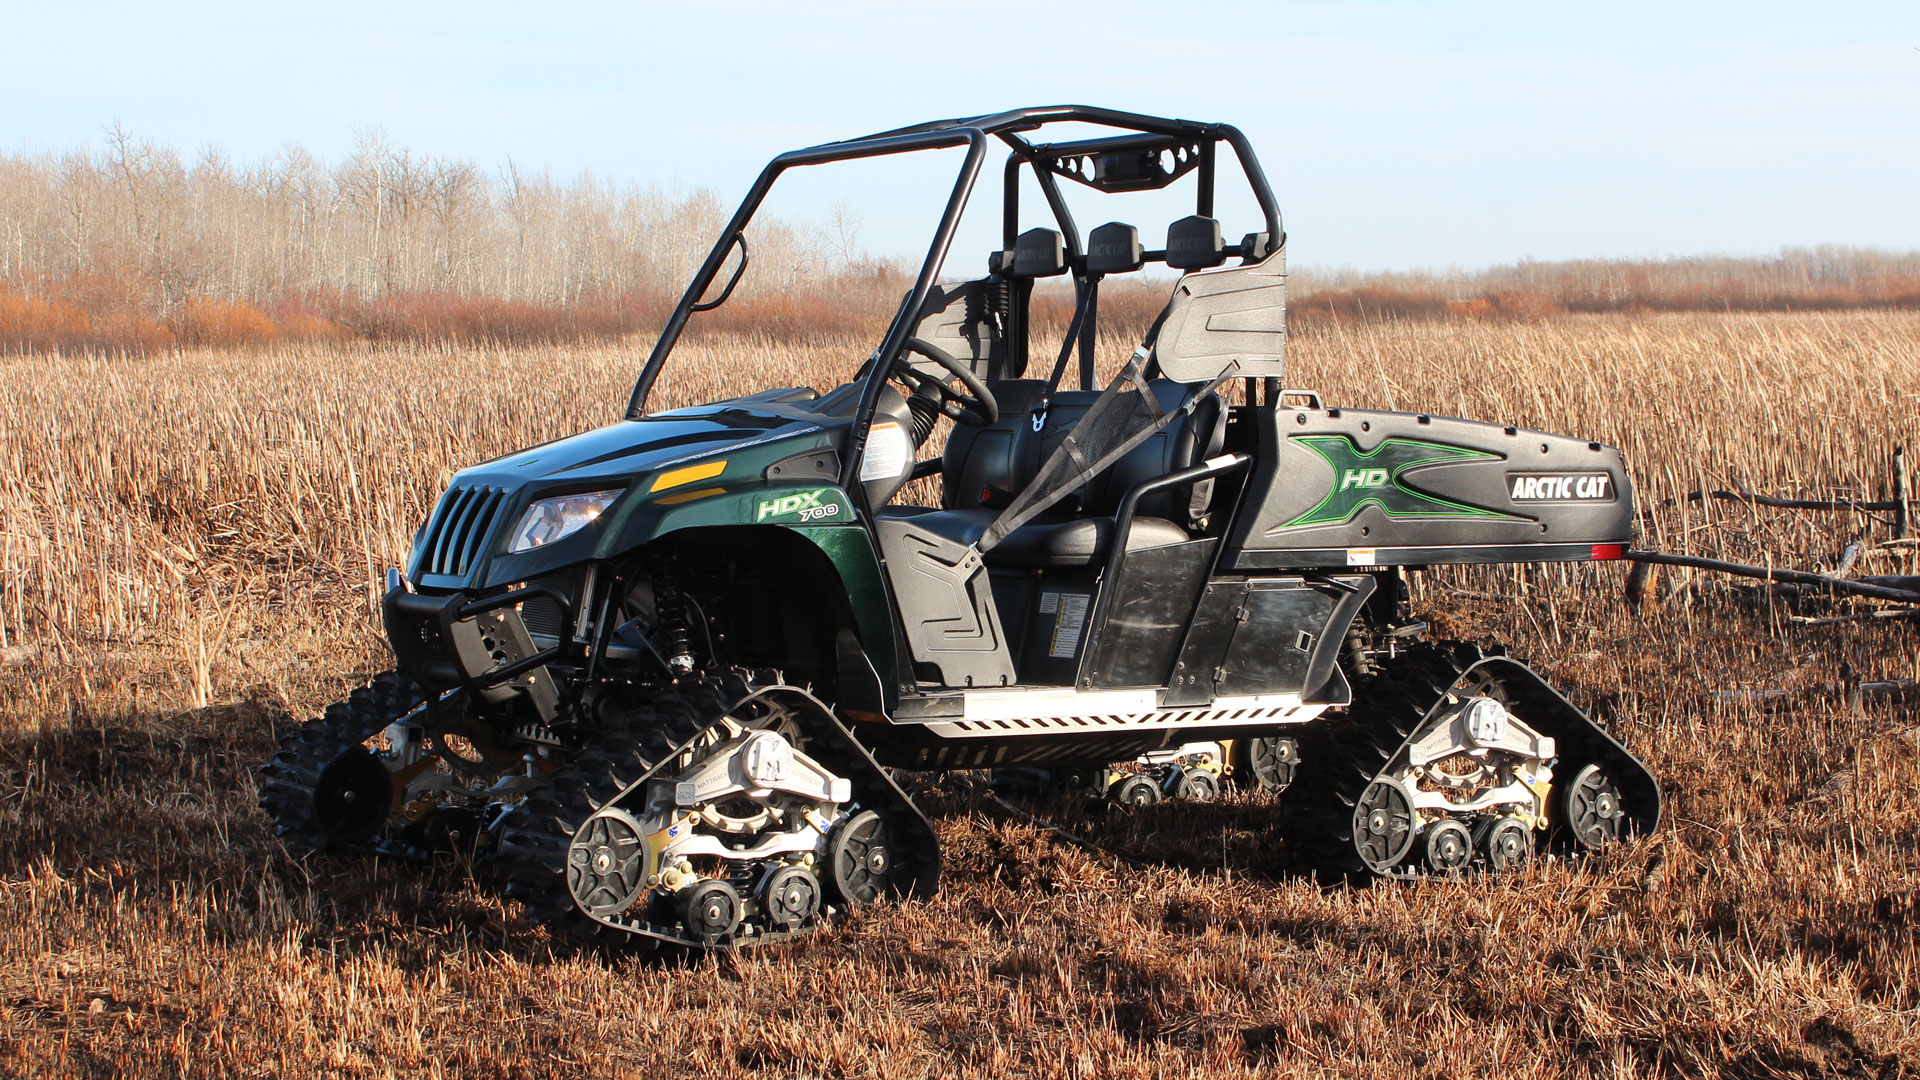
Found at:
[1362, 556]
[1377, 478]
[820, 504]
[1070, 611]
[1560, 487]
[889, 452]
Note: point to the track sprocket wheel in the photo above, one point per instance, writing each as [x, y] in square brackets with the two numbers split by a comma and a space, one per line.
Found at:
[1265, 764]
[861, 858]
[320, 788]
[1383, 825]
[606, 867]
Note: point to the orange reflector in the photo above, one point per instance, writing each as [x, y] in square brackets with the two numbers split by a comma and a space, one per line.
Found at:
[1609, 551]
[690, 474]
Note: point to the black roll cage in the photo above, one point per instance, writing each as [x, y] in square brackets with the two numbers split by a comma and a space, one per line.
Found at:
[1110, 163]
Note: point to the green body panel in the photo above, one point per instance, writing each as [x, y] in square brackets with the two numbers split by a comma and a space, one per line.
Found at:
[853, 555]
[746, 440]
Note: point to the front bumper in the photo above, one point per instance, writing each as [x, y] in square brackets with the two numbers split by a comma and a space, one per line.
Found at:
[451, 640]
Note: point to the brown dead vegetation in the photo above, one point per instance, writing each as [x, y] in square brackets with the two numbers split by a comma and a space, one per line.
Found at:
[190, 552]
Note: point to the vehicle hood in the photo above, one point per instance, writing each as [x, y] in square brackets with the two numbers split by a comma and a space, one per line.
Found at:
[625, 450]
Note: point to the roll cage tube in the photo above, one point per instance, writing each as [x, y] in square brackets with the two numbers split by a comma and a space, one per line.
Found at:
[1142, 133]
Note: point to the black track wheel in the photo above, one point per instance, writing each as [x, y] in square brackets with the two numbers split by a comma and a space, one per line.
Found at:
[1136, 790]
[532, 853]
[1383, 825]
[322, 787]
[1264, 764]
[1449, 847]
[1201, 786]
[711, 910]
[862, 858]
[791, 897]
[1591, 808]
[1509, 845]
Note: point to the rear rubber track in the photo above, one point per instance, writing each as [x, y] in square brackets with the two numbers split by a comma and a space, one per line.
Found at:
[1339, 758]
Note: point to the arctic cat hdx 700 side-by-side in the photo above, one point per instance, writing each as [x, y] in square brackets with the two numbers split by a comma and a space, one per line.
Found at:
[667, 674]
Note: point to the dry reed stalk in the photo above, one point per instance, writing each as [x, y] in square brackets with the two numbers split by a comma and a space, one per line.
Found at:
[189, 543]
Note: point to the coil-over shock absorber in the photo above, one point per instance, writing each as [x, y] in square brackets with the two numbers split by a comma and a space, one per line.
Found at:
[670, 609]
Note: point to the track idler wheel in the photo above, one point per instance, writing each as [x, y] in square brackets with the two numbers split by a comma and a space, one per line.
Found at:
[861, 856]
[1449, 847]
[1200, 785]
[1509, 845]
[1383, 825]
[352, 797]
[1136, 790]
[710, 910]
[790, 897]
[1593, 809]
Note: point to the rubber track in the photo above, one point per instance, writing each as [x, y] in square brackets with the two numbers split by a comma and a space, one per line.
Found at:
[873, 789]
[531, 855]
[1340, 757]
[287, 779]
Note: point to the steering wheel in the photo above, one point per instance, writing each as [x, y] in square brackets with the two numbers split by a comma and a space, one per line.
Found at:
[973, 405]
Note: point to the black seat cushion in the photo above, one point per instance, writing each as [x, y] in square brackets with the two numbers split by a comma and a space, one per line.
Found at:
[1048, 541]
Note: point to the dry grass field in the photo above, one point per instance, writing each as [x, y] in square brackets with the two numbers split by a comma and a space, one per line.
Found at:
[188, 564]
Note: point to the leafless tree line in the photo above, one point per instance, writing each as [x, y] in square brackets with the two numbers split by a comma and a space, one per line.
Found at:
[384, 220]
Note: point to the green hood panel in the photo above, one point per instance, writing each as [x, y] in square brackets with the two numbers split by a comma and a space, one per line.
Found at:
[702, 466]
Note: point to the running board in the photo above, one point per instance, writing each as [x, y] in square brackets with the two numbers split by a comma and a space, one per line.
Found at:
[989, 713]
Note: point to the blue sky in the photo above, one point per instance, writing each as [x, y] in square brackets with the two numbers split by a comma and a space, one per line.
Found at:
[1398, 136]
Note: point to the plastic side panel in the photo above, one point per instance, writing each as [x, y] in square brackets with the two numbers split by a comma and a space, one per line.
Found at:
[1149, 610]
[1269, 636]
[948, 612]
[1384, 488]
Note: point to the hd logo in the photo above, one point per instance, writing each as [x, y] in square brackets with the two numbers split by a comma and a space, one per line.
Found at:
[1363, 479]
[1560, 487]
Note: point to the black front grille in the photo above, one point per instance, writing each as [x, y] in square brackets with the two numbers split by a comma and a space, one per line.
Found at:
[460, 525]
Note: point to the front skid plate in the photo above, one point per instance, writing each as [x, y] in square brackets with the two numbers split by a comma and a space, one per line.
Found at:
[829, 742]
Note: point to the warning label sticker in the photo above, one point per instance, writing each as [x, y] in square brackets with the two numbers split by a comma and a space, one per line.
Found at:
[1071, 612]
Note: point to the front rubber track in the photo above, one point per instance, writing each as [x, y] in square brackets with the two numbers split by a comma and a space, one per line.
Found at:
[531, 856]
[288, 779]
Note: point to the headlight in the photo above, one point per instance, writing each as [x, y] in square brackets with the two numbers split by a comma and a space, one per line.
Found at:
[555, 519]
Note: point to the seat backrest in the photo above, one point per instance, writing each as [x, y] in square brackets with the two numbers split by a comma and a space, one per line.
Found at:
[982, 464]
[982, 461]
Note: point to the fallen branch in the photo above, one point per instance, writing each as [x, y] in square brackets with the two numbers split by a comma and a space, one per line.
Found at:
[1857, 693]
[1863, 616]
[1769, 573]
[1865, 506]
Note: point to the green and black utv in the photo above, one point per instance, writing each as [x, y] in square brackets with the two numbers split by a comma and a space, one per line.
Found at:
[664, 674]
